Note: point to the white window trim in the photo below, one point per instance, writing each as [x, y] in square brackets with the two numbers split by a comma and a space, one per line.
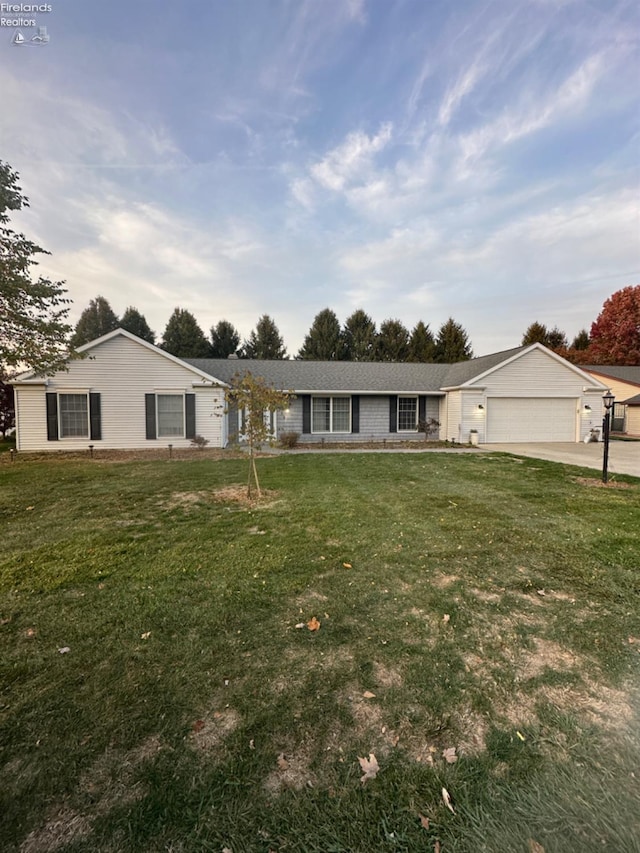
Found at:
[331, 430]
[407, 397]
[75, 392]
[184, 413]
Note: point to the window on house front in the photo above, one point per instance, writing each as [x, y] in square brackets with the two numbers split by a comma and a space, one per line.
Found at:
[407, 414]
[170, 415]
[74, 415]
[331, 414]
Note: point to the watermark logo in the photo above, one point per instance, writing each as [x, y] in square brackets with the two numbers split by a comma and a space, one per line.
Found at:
[41, 37]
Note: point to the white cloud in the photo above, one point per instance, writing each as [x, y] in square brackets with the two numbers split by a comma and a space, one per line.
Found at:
[352, 160]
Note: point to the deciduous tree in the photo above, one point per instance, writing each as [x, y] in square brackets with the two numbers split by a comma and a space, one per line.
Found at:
[34, 332]
[136, 323]
[265, 341]
[183, 337]
[7, 408]
[96, 320]
[252, 395]
[324, 340]
[452, 343]
[225, 340]
[615, 335]
[359, 337]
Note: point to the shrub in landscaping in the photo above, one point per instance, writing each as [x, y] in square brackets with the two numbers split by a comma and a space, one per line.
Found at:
[289, 439]
[199, 441]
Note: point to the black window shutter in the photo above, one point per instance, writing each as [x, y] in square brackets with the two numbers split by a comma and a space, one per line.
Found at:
[190, 415]
[355, 413]
[95, 421]
[306, 413]
[422, 408]
[150, 414]
[393, 413]
[52, 417]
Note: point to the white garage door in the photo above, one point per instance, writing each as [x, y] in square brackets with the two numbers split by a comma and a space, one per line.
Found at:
[531, 419]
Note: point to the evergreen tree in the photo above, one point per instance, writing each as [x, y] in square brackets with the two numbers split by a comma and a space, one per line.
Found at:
[393, 341]
[135, 322]
[324, 341]
[95, 321]
[33, 328]
[581, 340]
[183, 337]
[537, 333]
[422, 346]
[452, 343]
[556, 339]
[359, 337]
[265, 341]
[225, 340]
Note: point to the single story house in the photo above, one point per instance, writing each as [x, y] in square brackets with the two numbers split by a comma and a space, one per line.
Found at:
[624, 383]
[128, 394]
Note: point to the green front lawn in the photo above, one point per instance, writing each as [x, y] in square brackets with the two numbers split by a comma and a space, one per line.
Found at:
[476, 603]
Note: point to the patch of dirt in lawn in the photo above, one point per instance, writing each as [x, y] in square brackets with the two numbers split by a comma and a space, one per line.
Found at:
[443, 580]
[212, 730]
[386, 677]
[292, 771]
[547, 654]
[235, 494]
[483, 595]
[594, 481]
[108, 783]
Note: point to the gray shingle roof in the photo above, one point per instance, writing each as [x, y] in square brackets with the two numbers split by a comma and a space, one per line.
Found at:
[354, 376]
[625, 373]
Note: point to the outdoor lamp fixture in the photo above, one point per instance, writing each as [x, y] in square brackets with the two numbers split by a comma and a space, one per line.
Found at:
[481, 407]
[608, 399]
[587, 408]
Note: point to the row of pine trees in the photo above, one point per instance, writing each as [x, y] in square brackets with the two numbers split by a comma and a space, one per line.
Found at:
[357, 340]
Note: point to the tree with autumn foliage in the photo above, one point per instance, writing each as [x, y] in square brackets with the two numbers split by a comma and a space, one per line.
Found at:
[251, 394]
[615, 335]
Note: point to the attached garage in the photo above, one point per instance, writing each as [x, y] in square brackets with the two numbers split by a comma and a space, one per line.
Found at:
[522, 419]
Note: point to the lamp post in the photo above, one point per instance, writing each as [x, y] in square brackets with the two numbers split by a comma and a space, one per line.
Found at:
[608, 399]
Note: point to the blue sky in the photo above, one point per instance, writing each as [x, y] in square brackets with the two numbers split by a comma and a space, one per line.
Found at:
[419, 159]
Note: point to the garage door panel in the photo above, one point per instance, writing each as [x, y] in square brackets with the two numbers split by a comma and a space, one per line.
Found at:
[522, 419]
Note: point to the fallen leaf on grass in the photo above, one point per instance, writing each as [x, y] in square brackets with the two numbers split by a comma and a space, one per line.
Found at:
[446, 799]
[146, 635]
[424, 821]
[369, 766]
[64, 650]
[300, 625]
[313, 624]
[541, 592]
[347, 565]
[446, 618]
[227, 850]
[534, 847]
[436, 846]
[449, 755]
[198, 726]
[283, 764]
[368, 695]
[521, 736]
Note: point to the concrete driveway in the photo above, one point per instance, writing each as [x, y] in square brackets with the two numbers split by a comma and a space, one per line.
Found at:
[624, 456]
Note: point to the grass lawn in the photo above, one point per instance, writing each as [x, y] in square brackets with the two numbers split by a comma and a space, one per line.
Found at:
[158, 694]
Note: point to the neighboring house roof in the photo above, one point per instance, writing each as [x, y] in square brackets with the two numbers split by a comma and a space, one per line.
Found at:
[624, 373]
[632, 401]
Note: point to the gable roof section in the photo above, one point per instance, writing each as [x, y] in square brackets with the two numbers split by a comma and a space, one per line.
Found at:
[466, 373]
[33, 375]
[623, 373]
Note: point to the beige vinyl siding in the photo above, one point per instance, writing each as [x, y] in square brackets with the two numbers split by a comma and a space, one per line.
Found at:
[122, 372]
[632, 423]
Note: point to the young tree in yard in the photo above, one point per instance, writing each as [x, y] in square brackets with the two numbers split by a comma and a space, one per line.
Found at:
[422, 346]
[95, 321]
[452, 344]
[393, 341]
[252, 395]
[324, 341]
[225, 340]
[265, 341]
[7, 408]
[359, 337]
[615, 335]
[581, 340]
[135, 322]
[183, 337]
[34, 331]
